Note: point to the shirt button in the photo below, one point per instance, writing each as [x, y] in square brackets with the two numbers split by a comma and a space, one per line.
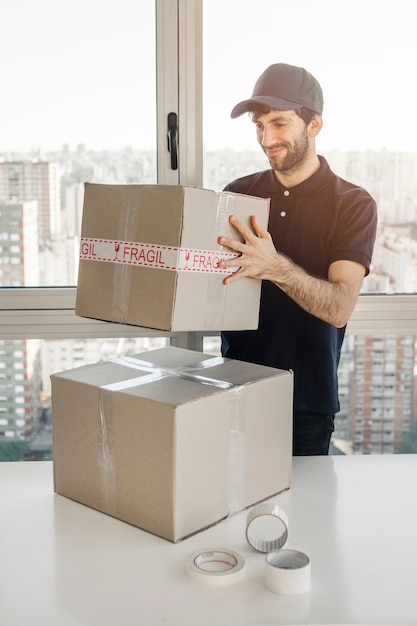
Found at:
[286, 192]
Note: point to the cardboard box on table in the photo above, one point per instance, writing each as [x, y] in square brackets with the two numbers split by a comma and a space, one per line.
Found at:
[149, 257]
[171, 440]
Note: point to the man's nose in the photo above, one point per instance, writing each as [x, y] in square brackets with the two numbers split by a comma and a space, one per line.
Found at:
[267, 137]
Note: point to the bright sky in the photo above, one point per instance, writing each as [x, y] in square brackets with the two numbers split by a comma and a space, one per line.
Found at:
[82, 71]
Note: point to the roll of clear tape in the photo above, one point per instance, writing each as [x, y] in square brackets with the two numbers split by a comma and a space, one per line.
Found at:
[287, 572]
[266, 527]
[215, 566]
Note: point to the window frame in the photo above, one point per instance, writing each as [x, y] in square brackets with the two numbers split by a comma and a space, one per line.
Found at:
[49, 313]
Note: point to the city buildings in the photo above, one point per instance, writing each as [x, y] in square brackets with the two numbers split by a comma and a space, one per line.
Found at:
[35, 180]
[382, 392]
[20, 365]
[377, 393]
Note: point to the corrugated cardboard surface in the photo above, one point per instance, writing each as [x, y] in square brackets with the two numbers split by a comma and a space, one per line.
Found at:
[167, 215]
[152, 445]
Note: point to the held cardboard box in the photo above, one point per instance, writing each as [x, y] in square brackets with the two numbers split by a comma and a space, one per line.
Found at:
[149, 257]
[171, 440]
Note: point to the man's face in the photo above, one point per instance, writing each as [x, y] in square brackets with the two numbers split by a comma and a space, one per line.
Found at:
[284, 138]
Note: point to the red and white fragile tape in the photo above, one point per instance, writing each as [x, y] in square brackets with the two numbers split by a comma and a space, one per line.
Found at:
[155, 256]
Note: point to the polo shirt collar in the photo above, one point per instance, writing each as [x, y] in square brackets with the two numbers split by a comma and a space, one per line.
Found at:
[314, 183]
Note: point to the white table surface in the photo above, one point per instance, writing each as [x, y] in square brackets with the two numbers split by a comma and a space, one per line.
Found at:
[63, 564]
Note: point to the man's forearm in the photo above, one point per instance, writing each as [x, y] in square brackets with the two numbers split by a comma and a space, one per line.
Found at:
[323, 299]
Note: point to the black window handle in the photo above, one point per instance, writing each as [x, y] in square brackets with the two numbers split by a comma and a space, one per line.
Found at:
[173, 139]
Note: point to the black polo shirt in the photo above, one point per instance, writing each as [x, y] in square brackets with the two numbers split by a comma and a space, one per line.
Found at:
[322, 220]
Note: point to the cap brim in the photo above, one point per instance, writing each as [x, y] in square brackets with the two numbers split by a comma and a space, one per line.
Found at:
[278, 104]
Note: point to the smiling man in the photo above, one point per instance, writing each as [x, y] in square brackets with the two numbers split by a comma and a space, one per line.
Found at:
[311, 260]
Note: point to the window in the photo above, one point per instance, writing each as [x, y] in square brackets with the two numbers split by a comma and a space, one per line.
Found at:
[103, 123]
[82, 109]
[358, 140]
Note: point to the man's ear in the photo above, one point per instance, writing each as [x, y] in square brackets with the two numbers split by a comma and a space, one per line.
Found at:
[315, 125]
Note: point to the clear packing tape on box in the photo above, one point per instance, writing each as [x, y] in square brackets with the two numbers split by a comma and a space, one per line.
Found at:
[195, 373]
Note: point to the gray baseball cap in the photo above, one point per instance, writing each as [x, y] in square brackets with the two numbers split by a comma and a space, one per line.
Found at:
[283, 87]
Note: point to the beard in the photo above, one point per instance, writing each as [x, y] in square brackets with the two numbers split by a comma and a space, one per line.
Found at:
[295, 156]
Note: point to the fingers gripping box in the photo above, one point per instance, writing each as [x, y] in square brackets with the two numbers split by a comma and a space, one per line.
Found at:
[149, 257]
[171, 440]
